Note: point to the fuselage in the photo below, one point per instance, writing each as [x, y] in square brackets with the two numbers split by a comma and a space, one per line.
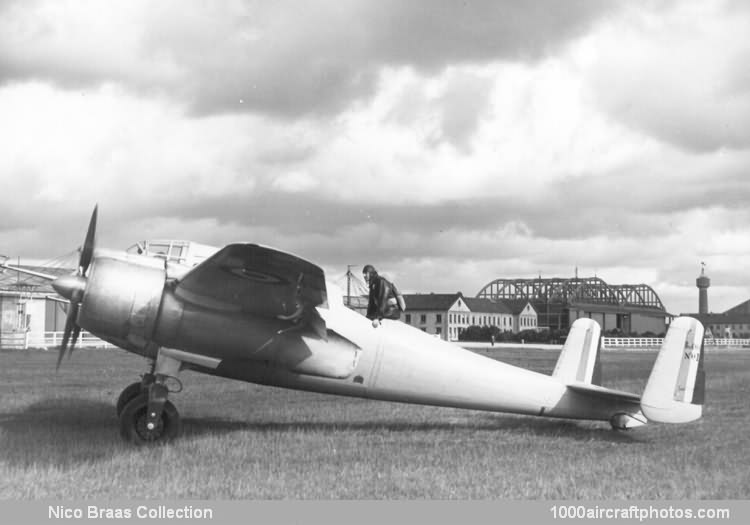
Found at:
[391, 362]
[396, 362]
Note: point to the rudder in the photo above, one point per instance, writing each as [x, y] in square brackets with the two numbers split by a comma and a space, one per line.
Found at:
[675, 389]
[579, 358]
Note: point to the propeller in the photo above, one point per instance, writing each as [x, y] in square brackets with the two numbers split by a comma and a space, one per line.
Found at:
[72, 288]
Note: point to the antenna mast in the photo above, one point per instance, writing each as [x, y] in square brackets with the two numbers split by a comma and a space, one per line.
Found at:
[349, 284]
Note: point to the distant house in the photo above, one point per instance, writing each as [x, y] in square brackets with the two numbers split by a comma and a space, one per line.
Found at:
[732, 324]
[443, 315]
[486, 312]
[447, 315]
[524, 315]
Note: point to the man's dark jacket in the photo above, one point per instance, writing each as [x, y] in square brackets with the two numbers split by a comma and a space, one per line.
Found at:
[379, 305]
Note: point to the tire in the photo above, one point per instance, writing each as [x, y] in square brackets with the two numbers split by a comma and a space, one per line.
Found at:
[133, 423]
[130, 392]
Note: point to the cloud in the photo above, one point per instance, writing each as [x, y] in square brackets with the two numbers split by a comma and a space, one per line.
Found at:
[661, 72]
[145, 158]
[450, 143]
[429, 34]
[295, 182]
[464, 102]
[278, 58]
[69, 43]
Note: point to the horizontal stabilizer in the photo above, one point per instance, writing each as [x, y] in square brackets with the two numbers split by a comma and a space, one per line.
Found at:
[603, 393]
[675, 389]
[579, 358]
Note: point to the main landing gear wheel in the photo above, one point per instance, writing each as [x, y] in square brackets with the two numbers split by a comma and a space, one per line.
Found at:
[134, 426]
[131, 392]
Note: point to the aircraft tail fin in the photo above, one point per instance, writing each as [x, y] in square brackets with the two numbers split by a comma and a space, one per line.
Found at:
[675, 389]
[579, 358]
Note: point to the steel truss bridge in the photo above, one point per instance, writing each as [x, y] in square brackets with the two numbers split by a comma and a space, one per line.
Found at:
[552, 297]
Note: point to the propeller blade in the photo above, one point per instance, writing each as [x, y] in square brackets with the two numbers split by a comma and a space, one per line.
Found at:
[72, 287]
[74, 339]
[87, 251]
[70, 326]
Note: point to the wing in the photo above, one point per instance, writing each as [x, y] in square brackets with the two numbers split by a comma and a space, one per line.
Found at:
[263, 282]
[255, 280]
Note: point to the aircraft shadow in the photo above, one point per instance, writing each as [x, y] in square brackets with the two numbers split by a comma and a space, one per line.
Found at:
[70, 431]
[58, 431]
[508, 424]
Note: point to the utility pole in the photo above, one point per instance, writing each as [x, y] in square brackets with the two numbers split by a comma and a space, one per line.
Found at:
[349, 284]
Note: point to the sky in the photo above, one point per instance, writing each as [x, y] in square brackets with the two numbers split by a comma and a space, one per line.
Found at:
[449, 143]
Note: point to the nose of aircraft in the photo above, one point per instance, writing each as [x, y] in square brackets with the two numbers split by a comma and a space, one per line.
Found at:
[70, 286]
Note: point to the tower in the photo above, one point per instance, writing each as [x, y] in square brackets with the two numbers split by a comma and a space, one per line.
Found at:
[703, 282]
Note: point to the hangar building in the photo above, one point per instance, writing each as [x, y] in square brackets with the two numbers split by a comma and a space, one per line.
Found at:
[627, 308]
[28, 307]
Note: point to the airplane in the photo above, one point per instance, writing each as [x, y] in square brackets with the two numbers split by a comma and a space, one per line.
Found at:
[268, 317]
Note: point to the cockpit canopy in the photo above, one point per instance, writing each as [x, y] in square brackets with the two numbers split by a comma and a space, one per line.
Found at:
[184, 253]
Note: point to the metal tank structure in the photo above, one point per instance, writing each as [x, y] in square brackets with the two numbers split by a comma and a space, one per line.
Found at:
[703, 283]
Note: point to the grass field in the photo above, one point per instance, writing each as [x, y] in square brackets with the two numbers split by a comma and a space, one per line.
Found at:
[59, 439]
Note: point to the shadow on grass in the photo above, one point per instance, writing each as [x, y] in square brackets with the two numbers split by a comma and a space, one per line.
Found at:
[71, 431]
[510, 425]
[59, 431]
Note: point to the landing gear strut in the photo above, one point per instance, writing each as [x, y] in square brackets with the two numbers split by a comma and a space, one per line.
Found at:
[132, 391]
[146, 415]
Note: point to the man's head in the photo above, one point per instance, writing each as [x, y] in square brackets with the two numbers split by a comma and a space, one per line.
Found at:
[369, 272]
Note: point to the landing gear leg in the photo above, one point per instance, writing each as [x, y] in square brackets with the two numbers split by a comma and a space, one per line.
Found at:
[132, 391]
[149, 417]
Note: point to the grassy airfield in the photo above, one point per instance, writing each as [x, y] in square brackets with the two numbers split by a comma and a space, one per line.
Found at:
[59, 439]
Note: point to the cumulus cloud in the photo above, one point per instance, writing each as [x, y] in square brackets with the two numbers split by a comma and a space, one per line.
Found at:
[280, 58]
[79, 43]
[450, 143]
[295, 182]
[677, 75]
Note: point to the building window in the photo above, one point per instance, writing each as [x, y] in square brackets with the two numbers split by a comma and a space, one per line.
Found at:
[439, 318]
[408, 319]
[438, 330]
[423, 318]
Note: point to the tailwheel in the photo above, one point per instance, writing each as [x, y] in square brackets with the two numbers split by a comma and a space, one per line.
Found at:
[135, 427]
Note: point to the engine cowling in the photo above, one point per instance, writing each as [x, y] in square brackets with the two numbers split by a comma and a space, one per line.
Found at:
[122, 300]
